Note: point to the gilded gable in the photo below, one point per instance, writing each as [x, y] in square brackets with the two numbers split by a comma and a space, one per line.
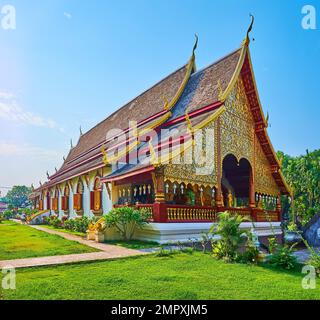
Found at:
[237, 125]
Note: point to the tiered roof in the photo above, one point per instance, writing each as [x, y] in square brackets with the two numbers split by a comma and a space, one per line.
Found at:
[199, 93]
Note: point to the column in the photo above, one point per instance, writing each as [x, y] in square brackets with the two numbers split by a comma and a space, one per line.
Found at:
[44, 201]
[159, 207]
[158, 184]
[71, 210]
[61, 212]
[86, 201]
[252, 200]
[106, 198]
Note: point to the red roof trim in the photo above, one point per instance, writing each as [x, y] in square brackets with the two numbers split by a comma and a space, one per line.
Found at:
[130, 174]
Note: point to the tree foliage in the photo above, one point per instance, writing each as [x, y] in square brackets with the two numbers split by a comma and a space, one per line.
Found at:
[17, 197]
[303, 175]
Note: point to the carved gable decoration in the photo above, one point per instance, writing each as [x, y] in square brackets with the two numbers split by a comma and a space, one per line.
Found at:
[197, 165]
[264, 181]
[237, 125]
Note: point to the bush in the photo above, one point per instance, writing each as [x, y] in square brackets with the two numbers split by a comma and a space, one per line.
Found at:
[78, 224]
[125, 220]
[69, 224]
[81, 224]
[231, 237]
[283, 257]
[273, 244]
[46, 220]
[55, 222]
[27, 211]
[8, 214]
[251, 253]
[1, 218]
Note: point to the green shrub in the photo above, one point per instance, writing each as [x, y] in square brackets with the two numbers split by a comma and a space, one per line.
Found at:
[273, 244]
[46, 220]
[126, 220]
[55, 222]
[27, 211]
[78, 224]
[1, 218]
[69, 224]
[231, 237]
[283, 257]
[9, 214]
[251, 253]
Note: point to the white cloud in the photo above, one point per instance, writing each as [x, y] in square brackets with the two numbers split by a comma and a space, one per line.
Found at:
[11, 111]
[25, 150]
[67, 15]
[6, 95]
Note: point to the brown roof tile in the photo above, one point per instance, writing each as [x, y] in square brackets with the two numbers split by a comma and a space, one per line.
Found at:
[201, 90]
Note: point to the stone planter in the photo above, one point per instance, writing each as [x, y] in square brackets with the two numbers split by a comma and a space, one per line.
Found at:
[99, 236]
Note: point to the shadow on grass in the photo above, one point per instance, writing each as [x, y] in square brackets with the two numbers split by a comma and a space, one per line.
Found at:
[296, 272]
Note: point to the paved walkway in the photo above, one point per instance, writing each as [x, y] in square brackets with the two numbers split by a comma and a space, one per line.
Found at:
[107, 252]
[303, 255]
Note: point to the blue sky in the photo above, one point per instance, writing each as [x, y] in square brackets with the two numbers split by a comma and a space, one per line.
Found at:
[72, 63]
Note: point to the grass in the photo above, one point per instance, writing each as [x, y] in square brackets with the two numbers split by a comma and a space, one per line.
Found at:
[133, 244]
[178, 276]
[76, 233]
[21, 241]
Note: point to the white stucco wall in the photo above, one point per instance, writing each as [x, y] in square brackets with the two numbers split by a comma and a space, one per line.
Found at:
[106, 201]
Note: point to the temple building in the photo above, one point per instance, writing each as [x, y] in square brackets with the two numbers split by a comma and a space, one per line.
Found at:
[193, 145]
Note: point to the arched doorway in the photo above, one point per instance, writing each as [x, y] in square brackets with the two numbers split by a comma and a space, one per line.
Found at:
[236, 177]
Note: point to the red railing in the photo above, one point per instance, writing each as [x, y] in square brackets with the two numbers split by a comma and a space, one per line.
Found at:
[162, 212]
[180, 213]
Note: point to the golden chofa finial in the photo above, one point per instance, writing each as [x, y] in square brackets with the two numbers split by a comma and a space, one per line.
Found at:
[247, 39]
[195, 45]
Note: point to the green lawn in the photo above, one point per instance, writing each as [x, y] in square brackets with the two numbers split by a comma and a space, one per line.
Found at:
[21, 241]
[80, 234]
[133, 244]
[180, 276]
